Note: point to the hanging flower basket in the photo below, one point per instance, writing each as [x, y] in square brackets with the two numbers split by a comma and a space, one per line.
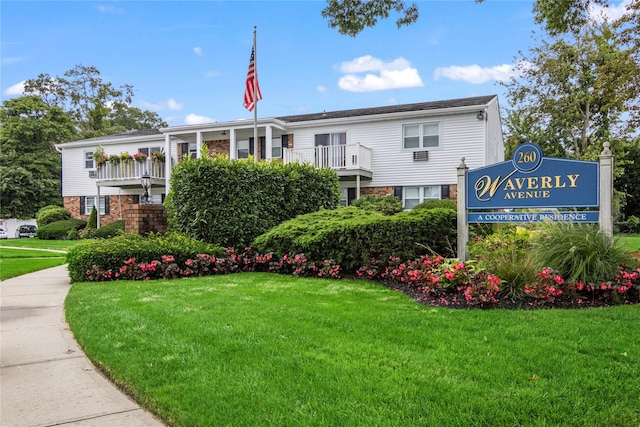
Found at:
[99, 156]
[140, 157]
[114, 159]
[157, 156]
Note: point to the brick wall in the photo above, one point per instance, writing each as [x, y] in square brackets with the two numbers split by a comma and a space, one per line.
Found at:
[72, 204]
[143, 219]
[215, 148]
[378, 191]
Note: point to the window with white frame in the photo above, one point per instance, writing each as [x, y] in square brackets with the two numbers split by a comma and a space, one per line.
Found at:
[276, 148]
[150, 150]
[421, 135]
[413, 196]
[243, 149]
[90, 202]
[89, 163]
[344, 196]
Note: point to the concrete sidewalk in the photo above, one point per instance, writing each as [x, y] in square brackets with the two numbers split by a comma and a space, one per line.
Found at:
[45, 378]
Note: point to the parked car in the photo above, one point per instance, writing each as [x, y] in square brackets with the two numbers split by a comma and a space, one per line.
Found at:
[26, 231]
[3, 233]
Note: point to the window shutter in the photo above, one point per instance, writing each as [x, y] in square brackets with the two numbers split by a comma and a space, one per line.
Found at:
[444, 192]
[285, 141]
[263, 147]
[107, 208]
[82, 205]
[162, 199]
[397, 191]
[351, 195]
[136, 199]
[251, 153]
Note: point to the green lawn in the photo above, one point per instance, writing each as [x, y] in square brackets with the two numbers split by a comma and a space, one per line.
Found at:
[16, 262]
[630, 241]
[40, 244]
[262, 349]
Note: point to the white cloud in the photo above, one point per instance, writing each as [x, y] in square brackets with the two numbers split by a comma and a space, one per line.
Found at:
[169, 104]
[110, 9]
[382, 75]
[476, 74]
[194, 119]
[198, 50]
[611, 13]
[16, 89]
[321, 89]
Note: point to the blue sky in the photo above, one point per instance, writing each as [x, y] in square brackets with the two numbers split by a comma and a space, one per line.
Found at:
[188, 61]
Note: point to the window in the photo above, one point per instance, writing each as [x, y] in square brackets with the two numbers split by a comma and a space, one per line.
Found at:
[243, 149]
[413, 196]
[276, 148]
[325, 139]
[150, 150]
[88, 160]
[91, 201]
[424, 135]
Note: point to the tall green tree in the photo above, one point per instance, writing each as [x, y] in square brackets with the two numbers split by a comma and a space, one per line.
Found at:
[95, 107]
[29, 164]
[576, 90]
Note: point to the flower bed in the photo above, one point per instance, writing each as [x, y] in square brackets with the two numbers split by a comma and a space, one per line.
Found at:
[429, 280]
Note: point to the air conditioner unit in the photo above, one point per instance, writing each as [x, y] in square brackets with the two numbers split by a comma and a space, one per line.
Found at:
[93, 174]
[420, 155]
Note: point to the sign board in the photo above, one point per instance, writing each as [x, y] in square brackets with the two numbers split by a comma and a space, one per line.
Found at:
[530, 180]
[499, 217]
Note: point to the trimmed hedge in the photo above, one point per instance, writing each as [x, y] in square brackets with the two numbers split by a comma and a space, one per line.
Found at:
[110, 230]
[437, 203]
[229, 202]
[386, 205]
[109, 254]
[51, 214]
[352, 237]
[60, 229]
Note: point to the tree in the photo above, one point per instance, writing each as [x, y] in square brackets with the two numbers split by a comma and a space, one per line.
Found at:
[574, 90]
[627, 182]
[96, 107]
[29, 164]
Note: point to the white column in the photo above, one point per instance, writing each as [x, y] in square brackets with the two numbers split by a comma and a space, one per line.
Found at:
[97, 207]
[267, 142]
[606, 191]
[233, 146]
[167, 162]
[198, 144]
[358, 185]
[463, 225]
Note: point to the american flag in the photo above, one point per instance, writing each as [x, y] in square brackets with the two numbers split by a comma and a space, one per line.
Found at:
[251, 97]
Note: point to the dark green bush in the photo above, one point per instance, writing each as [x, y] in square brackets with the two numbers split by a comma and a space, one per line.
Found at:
[111, 253]
[437, 203]
[110, 230]
[579, 252]
[59, 230]
[352, 236]
[229, 202]
[386, 205]
[52, 214]
[93, 219]
[631, 225]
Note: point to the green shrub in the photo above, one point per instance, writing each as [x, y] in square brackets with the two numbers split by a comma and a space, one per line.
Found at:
[59, 230]
[437, 203]
[110, 230]
[46, 208]
[386, 205]
[229, 202]
[73, 234]
[352, 237]
[51, 214]
[579, 252]
[631, 225]
[109, 254]
[507, 254]
[93, 219]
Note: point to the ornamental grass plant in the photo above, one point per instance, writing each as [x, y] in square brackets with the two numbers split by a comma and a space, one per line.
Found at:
[579, 252]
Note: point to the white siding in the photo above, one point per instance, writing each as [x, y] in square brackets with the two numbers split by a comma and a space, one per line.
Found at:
[495, 141]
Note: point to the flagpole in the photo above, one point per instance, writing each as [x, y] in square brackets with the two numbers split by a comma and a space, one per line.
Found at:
[256, 143]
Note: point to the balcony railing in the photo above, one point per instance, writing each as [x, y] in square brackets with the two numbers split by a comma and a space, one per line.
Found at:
[337, 157]
[131, 171]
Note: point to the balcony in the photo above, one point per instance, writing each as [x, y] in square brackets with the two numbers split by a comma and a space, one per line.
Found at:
[126, 174]
[348, 161]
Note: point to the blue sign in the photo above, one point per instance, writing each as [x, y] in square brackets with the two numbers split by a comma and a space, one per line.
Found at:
[530, 180]
[501, 217]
